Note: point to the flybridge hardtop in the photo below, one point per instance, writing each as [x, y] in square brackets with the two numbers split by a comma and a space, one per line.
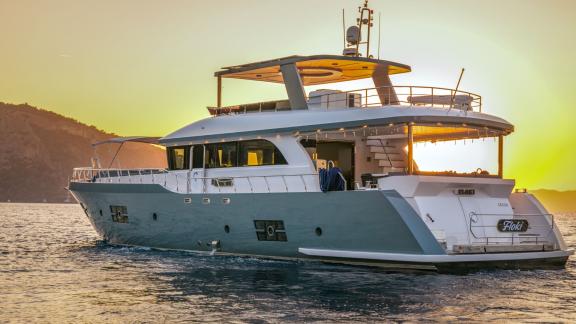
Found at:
[329, 175]
[295, 72]
[315, 69]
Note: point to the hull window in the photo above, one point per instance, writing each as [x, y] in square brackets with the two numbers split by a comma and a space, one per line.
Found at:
[270, 230]
[119, 214]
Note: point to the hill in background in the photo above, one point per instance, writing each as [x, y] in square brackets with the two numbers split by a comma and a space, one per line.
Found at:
[39, 149]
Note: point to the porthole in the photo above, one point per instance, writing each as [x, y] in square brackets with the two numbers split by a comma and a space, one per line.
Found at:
[318, 231]
[227, 229]
[206, 201]
[154, 216]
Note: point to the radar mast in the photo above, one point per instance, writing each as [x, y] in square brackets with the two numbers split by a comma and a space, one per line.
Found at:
[354, 34]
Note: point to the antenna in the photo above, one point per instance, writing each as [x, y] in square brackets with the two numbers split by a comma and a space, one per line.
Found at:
[343, 28]
[379, 31]
[459, 79]
[354, 33]
[457, 86]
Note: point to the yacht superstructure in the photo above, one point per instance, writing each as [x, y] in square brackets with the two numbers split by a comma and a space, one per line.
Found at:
[327, 175]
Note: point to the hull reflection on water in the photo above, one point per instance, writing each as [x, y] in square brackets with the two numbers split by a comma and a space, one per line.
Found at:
[55, 269]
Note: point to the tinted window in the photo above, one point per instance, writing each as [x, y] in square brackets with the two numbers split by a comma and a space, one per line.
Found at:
[221, 155]
[259, 152]
[197, 156]
[179, 158]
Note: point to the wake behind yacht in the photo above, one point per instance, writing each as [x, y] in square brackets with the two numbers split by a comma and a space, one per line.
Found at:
[327, 175]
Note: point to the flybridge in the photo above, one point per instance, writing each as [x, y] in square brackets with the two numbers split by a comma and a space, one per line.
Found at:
[295, 72]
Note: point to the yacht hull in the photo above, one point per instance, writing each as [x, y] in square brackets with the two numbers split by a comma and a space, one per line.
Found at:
[374, 228]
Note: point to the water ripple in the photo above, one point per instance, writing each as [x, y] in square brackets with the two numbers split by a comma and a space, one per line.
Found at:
[53, 268]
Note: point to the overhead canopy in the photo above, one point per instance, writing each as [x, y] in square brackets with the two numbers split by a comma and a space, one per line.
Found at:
[121, 140]
[314, 70]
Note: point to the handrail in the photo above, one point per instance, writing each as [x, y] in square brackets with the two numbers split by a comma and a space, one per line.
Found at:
[531, 239]
[150, 176]
[403, 95]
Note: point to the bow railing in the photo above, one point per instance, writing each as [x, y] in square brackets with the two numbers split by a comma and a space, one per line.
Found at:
[193, 182]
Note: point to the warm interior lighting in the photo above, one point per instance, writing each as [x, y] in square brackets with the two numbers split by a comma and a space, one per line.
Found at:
[462, 156]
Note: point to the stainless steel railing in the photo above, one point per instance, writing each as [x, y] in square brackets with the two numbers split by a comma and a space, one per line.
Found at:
[190, 182]
[483, 228]
[409, 95]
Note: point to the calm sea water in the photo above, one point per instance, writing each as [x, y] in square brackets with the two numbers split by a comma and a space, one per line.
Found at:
[53, 268]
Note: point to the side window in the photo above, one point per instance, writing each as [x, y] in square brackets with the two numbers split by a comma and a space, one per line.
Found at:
[259, 152]
[179, 158]
[197, 156]
[221, 155]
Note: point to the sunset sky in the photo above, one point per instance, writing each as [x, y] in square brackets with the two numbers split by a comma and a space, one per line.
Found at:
[146, 67]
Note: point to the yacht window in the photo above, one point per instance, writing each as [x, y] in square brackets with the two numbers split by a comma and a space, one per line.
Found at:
[259, 152]
[178, 157]
[221, 155]
[197, 156]
[233, 154]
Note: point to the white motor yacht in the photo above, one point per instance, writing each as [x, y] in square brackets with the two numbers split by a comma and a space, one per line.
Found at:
[327, 175]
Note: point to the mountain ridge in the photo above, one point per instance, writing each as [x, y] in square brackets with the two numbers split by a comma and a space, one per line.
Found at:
[39, 149]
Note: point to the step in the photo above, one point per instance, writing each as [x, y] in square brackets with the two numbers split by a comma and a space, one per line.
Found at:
[386, 149]
[375, 142]
[377, 149]
[394, 164]
[389, 170]
[389, 156]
